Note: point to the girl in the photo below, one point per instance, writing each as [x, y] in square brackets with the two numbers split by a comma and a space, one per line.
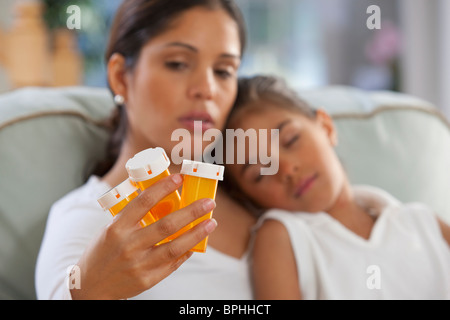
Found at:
[323, 238]
[169, 63]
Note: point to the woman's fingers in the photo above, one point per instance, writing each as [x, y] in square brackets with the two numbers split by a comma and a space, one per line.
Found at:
[158, 262]
[173, 222]
[147, 237]
[172, 254]
[125, 256]
[138, 207]
[185, 242]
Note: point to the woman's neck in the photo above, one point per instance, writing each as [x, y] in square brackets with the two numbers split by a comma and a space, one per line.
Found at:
[118, 173]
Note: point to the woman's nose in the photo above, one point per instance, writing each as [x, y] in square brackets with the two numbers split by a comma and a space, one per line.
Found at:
[203, 86]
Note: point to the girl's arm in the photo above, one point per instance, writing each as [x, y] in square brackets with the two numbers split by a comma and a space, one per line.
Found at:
[274, 268]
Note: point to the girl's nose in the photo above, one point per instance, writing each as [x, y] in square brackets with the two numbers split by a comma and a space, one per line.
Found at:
[288, 169]
[203, 86]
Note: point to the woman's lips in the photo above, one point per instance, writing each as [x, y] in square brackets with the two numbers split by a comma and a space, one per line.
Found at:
[197, 120]
[305, 184]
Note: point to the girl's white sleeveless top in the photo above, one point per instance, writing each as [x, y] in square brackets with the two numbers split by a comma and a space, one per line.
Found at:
[405, 257]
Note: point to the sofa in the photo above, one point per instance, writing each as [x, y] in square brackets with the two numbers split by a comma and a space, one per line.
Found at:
[51, 139]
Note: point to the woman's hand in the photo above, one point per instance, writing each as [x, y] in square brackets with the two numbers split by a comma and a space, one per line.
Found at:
[124, 261]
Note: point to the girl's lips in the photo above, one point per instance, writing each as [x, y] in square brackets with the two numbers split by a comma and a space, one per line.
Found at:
[305, 184]
[200, 120]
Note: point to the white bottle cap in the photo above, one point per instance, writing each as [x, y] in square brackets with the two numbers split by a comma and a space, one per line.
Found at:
[147, 164]
[202, 170]
[117, 194]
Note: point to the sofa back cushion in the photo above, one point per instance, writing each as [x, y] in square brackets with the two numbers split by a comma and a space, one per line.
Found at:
[50, 139]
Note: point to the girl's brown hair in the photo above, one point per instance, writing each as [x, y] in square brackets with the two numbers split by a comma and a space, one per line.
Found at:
[136, 22]
[257, 91]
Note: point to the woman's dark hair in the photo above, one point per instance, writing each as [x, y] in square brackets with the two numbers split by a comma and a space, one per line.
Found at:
[254, 94]
[136, 22]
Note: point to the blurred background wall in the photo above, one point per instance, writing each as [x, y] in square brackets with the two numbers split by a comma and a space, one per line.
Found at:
[309, 42]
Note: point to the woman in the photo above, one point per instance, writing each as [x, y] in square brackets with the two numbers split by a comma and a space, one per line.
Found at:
[168, 65]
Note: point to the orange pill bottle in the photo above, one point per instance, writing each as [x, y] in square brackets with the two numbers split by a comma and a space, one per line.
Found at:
[200, 181]
[118, 198]
[146, 168]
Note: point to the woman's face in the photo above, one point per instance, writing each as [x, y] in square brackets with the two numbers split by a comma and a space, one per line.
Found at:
[310, 177]
[187, 73]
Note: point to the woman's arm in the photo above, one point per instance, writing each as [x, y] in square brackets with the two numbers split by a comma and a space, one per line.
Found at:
[274, 267]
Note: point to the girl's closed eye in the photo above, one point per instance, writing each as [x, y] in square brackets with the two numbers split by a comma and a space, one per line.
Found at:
[254, 173]
[258, 177]
[292, 140]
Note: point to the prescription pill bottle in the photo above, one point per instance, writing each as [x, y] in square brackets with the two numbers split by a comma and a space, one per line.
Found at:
[118, 197]
[148, 167]
[200, 181]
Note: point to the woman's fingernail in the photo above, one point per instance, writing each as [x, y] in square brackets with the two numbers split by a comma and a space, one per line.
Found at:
[176, 178]
[211, 224]
[208, 204]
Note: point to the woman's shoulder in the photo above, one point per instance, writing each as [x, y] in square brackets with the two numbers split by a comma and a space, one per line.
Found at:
[80, 205]
[88, 193]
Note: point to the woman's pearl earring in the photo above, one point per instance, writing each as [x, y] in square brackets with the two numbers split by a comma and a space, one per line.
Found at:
[119, 100]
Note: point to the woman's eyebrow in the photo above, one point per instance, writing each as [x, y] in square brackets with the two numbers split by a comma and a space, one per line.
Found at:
[182, 44]
[230, 55]
[194, 49]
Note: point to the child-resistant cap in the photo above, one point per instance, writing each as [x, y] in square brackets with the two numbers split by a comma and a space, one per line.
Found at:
[147, 164]
[117, 194]
[202, 170]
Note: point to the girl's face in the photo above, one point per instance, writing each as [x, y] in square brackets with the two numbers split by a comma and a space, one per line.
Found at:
[310, 177]
[188, 73]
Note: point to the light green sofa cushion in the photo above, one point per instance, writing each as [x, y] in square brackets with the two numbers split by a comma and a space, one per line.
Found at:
[50, 140]
[405, 151]
[391, 140]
